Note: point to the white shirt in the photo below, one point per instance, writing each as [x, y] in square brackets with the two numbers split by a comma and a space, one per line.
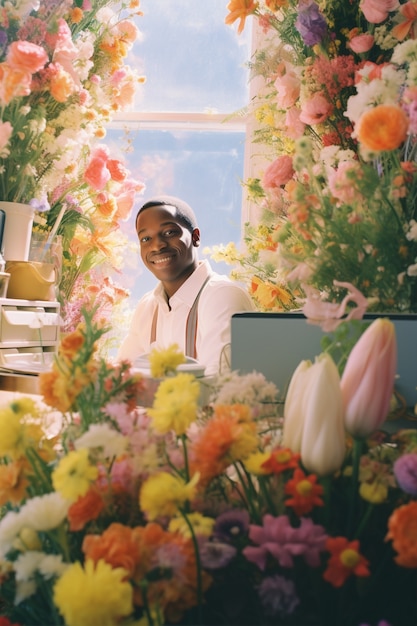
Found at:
[219, 300]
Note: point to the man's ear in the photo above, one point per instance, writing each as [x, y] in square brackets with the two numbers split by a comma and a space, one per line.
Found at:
[196, 237]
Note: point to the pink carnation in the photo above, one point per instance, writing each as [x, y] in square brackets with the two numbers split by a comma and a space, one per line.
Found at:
[278, 173]
[26, 56]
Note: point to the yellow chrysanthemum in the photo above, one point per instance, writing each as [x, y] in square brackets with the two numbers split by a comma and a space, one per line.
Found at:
[201, 525]
[163, 494]
[94, 595]
[164, 362]
[15, 435]
[74, 474]
[175, 404]
[253, 463]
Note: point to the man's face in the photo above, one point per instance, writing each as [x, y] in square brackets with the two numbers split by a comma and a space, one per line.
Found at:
[168, 249]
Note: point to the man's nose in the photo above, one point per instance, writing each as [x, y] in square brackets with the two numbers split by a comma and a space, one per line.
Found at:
[159, 243]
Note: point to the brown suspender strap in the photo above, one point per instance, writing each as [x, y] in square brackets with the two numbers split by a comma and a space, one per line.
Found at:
[191, 326]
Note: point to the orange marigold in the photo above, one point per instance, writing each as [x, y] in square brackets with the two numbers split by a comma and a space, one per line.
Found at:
[383, 127]
[402, 531]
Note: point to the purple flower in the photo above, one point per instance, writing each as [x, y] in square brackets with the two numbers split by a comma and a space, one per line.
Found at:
[215, 554]
[278, 596]
[231, 525]
[381, 623]
[405, 472]
[40, 205]
[310, 23]
[279, 539]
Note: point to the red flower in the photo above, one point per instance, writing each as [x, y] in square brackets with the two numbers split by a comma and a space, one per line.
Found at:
[304, 491]
[345, 560]
[280, 460]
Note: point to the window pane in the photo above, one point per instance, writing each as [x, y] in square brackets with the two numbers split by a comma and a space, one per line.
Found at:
[192, 61]
[204, 168]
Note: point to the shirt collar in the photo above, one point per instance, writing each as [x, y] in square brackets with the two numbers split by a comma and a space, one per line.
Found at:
[188, 291]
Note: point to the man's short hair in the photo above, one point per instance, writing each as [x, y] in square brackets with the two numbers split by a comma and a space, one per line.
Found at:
[183, 213]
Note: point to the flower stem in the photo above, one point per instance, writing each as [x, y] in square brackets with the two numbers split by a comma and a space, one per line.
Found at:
[356, 457]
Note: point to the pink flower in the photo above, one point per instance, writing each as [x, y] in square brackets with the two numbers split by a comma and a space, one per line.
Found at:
[329, 315]
[5, 134]
[376, 11]
[405, 472]
[280, 540]
[278, 173]
[295, 127]
[96, 173]
[315, 110]
[26, 56]
[361, 43]
[288, 90]
[368, 379]
[341, 184]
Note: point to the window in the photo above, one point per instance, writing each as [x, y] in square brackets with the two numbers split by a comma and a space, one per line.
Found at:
[182, 137]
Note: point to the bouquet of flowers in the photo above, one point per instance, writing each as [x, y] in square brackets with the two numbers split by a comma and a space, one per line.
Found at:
[62, 78]
[218, 513]
[335, 118]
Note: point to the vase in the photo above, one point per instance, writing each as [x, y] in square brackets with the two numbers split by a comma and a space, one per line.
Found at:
[17, 232]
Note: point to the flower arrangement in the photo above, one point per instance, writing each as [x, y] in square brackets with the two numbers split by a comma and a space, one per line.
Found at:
[62, 78]
[221, 513]
[336, 121]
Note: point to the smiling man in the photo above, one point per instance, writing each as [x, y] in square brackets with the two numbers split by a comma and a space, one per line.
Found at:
[192, 305]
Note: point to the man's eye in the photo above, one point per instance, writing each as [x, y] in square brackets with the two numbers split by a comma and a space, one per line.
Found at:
[143, 239]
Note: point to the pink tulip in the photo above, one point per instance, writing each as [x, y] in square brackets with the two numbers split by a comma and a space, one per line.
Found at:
[368, 379]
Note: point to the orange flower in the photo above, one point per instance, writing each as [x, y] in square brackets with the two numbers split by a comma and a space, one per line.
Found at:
[71, 344]
[345, 560]
[85, 509]
[402, 530]
[304, 491]
[228, 436]
[240, 10]
[61, 86]
[13, 483]
[118, 545]
[383, 127]
[280, 460]
[53, 387]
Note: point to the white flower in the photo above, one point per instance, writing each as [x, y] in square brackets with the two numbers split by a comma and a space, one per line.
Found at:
[52, 565]
[412, 270]
[412, 233]
[27, 564]
[10, 527]
[24, 590]
[103, 436]
[44, 512]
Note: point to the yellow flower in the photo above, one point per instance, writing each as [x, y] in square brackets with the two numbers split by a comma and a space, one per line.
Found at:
[201, 525]
[375, 492]
[163, 494]
[175, 404]
[164, 362]
[94, 595]
[74, 474]
[15, 435]
[28, 539]
[24, 406]
[253, 463]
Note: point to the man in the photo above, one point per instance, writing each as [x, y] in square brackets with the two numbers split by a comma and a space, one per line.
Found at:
[191, 306]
